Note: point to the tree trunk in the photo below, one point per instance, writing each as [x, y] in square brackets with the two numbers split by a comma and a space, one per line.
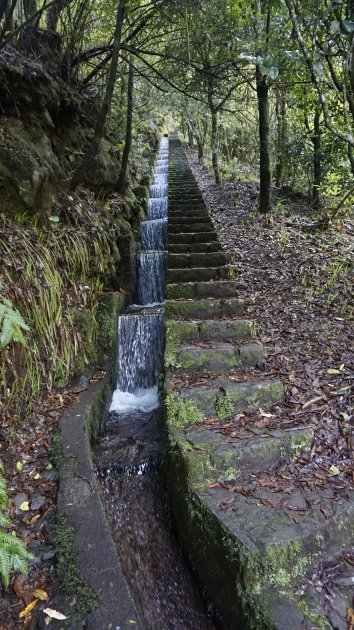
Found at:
[90, 155]
[264, 154]
[281, 138]
[30, 8]
[317, 170]
[122, 181]
[214, 145]
[200, 150]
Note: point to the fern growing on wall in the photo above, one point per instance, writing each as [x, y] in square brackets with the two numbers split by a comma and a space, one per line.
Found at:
[11, 323]
[13, 553]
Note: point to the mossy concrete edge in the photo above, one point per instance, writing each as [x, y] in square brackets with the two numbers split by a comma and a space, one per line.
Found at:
[80, 503]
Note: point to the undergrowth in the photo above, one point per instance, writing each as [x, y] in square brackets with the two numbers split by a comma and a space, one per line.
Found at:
[13, 553]
[50, 275]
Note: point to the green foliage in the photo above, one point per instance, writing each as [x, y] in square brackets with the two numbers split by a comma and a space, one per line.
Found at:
[13, 553]
[11, 323]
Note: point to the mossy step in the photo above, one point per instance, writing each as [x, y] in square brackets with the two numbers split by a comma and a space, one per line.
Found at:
[193, 237]
[208, 330]
[203, 226]
[218, 359]
[188, 211]
[222, 397]
[194, 248]
[203, 308]
[253, 539]
[197, 290]
[187, 219]
[178, 261]
[251, 455]
[197, 274]
[185, 198]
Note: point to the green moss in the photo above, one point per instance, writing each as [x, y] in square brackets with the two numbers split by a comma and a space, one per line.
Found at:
[318, 618]
[56, 452]
[224, 406]
[181, 412]
[69, 578]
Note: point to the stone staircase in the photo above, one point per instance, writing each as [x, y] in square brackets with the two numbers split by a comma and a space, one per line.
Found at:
[206, 330]
[248, 556]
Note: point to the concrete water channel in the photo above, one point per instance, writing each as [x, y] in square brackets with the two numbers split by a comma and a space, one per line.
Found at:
[129, 451]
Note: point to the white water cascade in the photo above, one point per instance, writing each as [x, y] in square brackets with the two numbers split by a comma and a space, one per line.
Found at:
[141, 335]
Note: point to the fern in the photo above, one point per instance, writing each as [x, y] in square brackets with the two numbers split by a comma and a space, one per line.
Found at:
[11, 324]
[13, 553]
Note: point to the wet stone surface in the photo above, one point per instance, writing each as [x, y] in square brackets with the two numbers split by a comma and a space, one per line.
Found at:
[128, 460]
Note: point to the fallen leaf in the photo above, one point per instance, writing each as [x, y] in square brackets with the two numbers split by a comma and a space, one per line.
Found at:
[334, 470]
[350, 618]
[28, 609]
[333, 371]
[35, 519]
[264, 414]
[42, 595]
[24, 506]
[326, 511]
[54, 614]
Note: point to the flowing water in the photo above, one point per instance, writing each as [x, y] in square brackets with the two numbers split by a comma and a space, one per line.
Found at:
[128, 454]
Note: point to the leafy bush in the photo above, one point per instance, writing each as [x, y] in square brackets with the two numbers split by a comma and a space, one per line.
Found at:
[13, 553]
[11, 323]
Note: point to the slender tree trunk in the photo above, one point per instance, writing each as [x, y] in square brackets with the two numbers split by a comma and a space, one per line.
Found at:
[89, 157]
[190, 136]
[264, 153]
[317, 170]
[351, 158]
[200, 150]
[30, 8]
[281, 138]
[214, 145]
[122, 181]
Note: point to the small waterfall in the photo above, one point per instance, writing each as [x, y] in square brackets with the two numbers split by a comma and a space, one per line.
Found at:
[141, 337]
[140, 350]
[157, 208]
[154, 234]
[151, 272]
[159, 190]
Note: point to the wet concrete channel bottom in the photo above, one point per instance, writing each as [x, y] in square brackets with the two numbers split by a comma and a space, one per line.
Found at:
[128, 463]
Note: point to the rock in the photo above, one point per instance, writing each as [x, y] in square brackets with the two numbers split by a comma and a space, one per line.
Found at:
[37, 501]
[29, 169]
[19, 499]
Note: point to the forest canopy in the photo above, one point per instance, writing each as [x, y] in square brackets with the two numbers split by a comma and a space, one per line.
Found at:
[265, 83]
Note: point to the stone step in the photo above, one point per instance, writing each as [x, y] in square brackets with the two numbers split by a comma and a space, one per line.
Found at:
[221, 397]
[188, 219]
[253, 454]
[204, 226]
[189, 290]
[196, 248]
[218, 359]
[180, 261]
[204, 309]
[185, 198]
[208, 330]
[188, 213]
[193, 237]
[197, 274]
